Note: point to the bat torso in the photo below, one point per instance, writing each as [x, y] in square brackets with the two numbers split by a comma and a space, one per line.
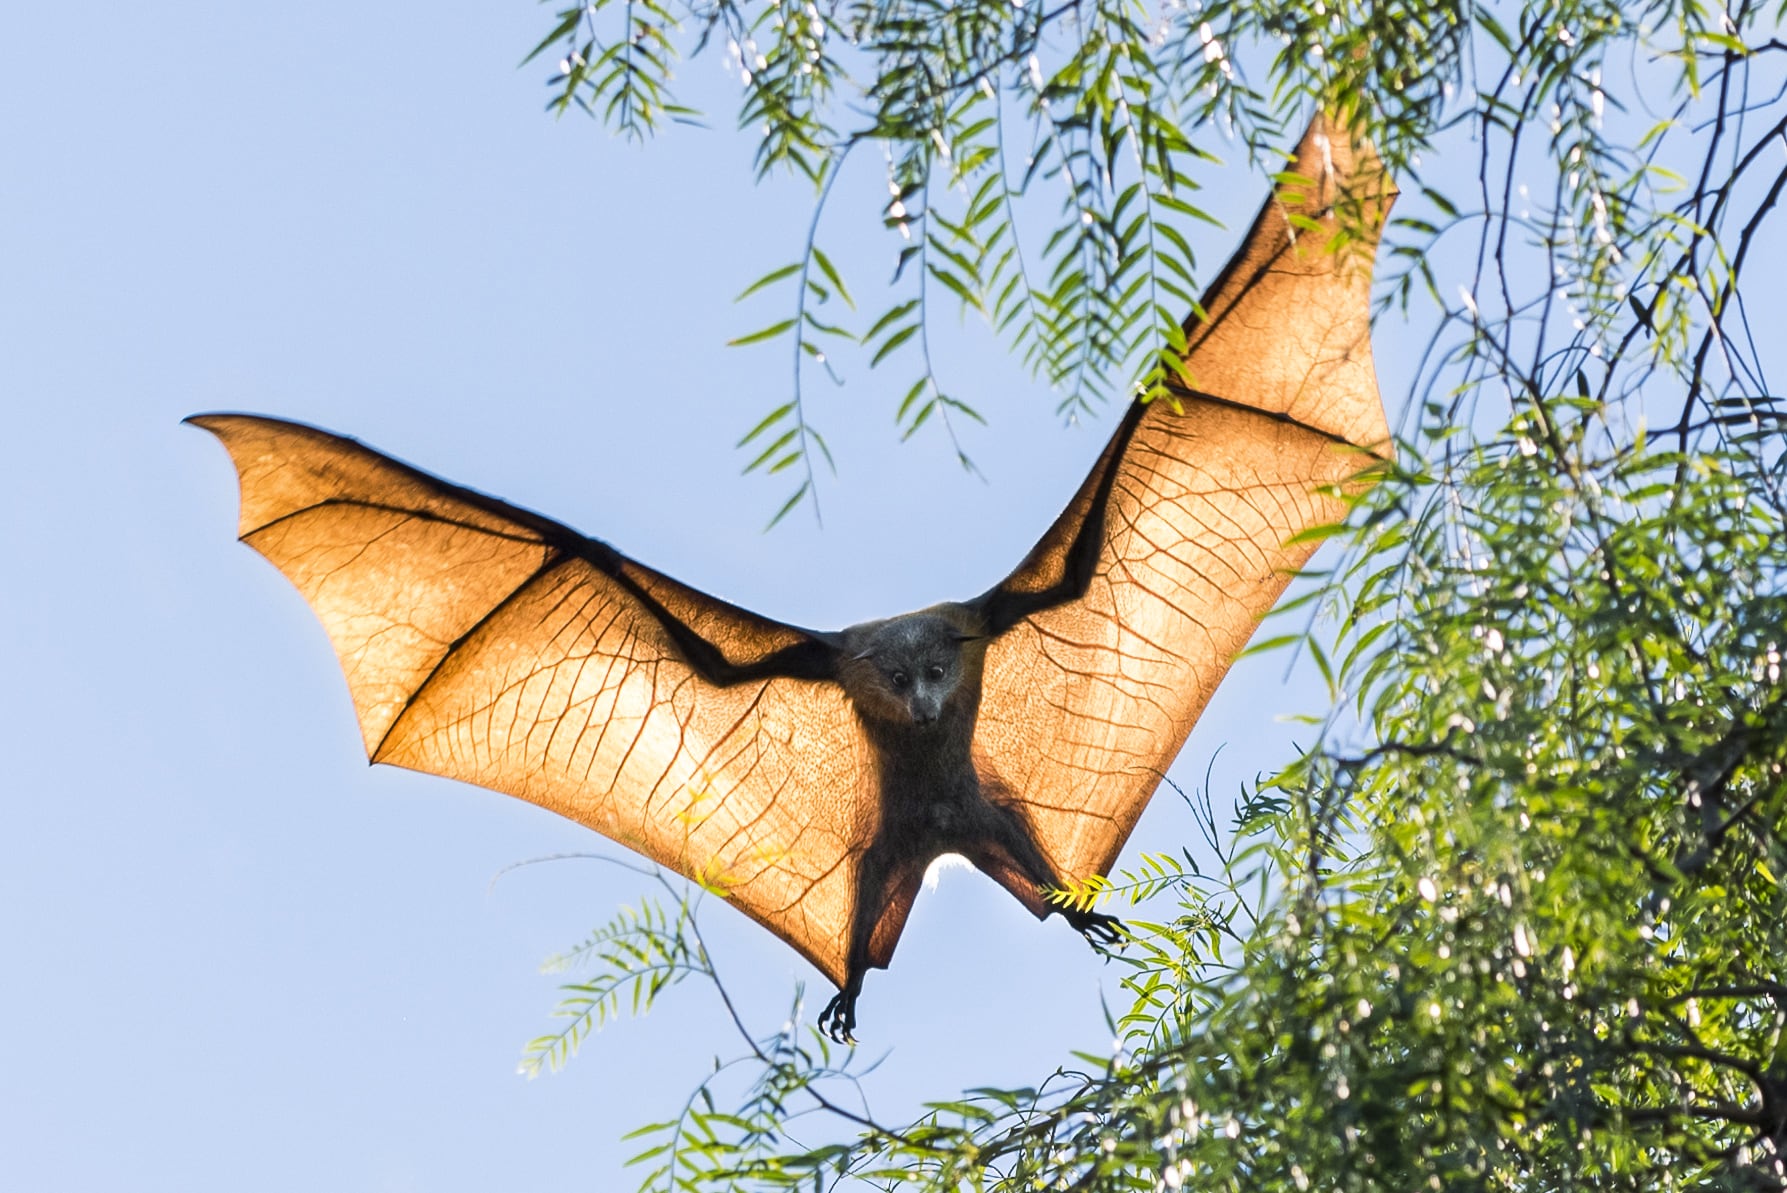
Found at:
[914, 683]
[928, 789]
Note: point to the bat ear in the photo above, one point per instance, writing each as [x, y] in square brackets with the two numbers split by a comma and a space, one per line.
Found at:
[863, 656]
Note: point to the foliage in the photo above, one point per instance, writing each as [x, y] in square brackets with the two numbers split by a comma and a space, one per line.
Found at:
[1515, 918]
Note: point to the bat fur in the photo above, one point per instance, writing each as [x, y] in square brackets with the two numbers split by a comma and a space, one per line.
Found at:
[914, 682]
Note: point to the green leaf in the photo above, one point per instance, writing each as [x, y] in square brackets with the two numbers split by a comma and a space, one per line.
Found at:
[567, 24]
[892, 343]
[794, 499]
[832, 275]
[776, 445]
[888, 318]
[767, 333]
[769, 420]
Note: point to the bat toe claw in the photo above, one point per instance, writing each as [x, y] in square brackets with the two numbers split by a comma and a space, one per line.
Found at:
[1103, 931]
[838, 1019]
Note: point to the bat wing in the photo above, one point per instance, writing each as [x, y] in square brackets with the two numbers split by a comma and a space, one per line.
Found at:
[1114, 632]
[485, 643]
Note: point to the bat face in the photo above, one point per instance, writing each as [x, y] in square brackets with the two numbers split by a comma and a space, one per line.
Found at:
[907, 671]
[811, 777]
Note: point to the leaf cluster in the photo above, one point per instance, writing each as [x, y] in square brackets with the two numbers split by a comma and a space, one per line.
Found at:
[1515, 918]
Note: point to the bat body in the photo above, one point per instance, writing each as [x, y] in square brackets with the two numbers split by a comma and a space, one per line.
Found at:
[811, 776]
[915, 685]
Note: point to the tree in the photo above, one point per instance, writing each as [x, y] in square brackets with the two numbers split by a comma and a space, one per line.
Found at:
[1523, 923]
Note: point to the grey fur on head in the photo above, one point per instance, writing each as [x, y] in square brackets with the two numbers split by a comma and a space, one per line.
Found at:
[909, 667]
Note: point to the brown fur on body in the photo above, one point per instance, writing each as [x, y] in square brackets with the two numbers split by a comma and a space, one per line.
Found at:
[915, 684]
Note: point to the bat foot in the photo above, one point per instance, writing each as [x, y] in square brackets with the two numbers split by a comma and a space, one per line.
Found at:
[838, 1019]
[1103, 931]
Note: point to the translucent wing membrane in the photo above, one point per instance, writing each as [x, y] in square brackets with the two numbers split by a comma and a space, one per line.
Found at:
[1181, 534]
[488, 644]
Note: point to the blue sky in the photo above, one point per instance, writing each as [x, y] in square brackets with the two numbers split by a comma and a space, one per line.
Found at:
[236, 955]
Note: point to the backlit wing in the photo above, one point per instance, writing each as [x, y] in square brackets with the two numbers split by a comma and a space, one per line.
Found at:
[1115, 631]
[485, 643]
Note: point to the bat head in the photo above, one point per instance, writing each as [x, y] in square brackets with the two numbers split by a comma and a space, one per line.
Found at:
[907, 670]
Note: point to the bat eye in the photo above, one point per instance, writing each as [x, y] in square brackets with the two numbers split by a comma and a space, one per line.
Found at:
[935, 672]
[900, 679]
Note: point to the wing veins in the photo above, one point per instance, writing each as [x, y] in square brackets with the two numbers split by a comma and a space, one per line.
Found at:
[548, 564]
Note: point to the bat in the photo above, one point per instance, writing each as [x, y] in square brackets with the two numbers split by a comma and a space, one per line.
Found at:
[811, 776]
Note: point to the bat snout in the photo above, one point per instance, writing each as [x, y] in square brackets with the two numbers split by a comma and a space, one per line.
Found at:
[924, 708]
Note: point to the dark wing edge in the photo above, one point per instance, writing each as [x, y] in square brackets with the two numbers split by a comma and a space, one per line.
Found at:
[486, 643]
[1329, 178]
[766, 648]
[1062, 563]
[1112, 634]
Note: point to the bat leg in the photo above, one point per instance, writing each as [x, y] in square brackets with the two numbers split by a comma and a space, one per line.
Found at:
[886, 884]
[1007, 853]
